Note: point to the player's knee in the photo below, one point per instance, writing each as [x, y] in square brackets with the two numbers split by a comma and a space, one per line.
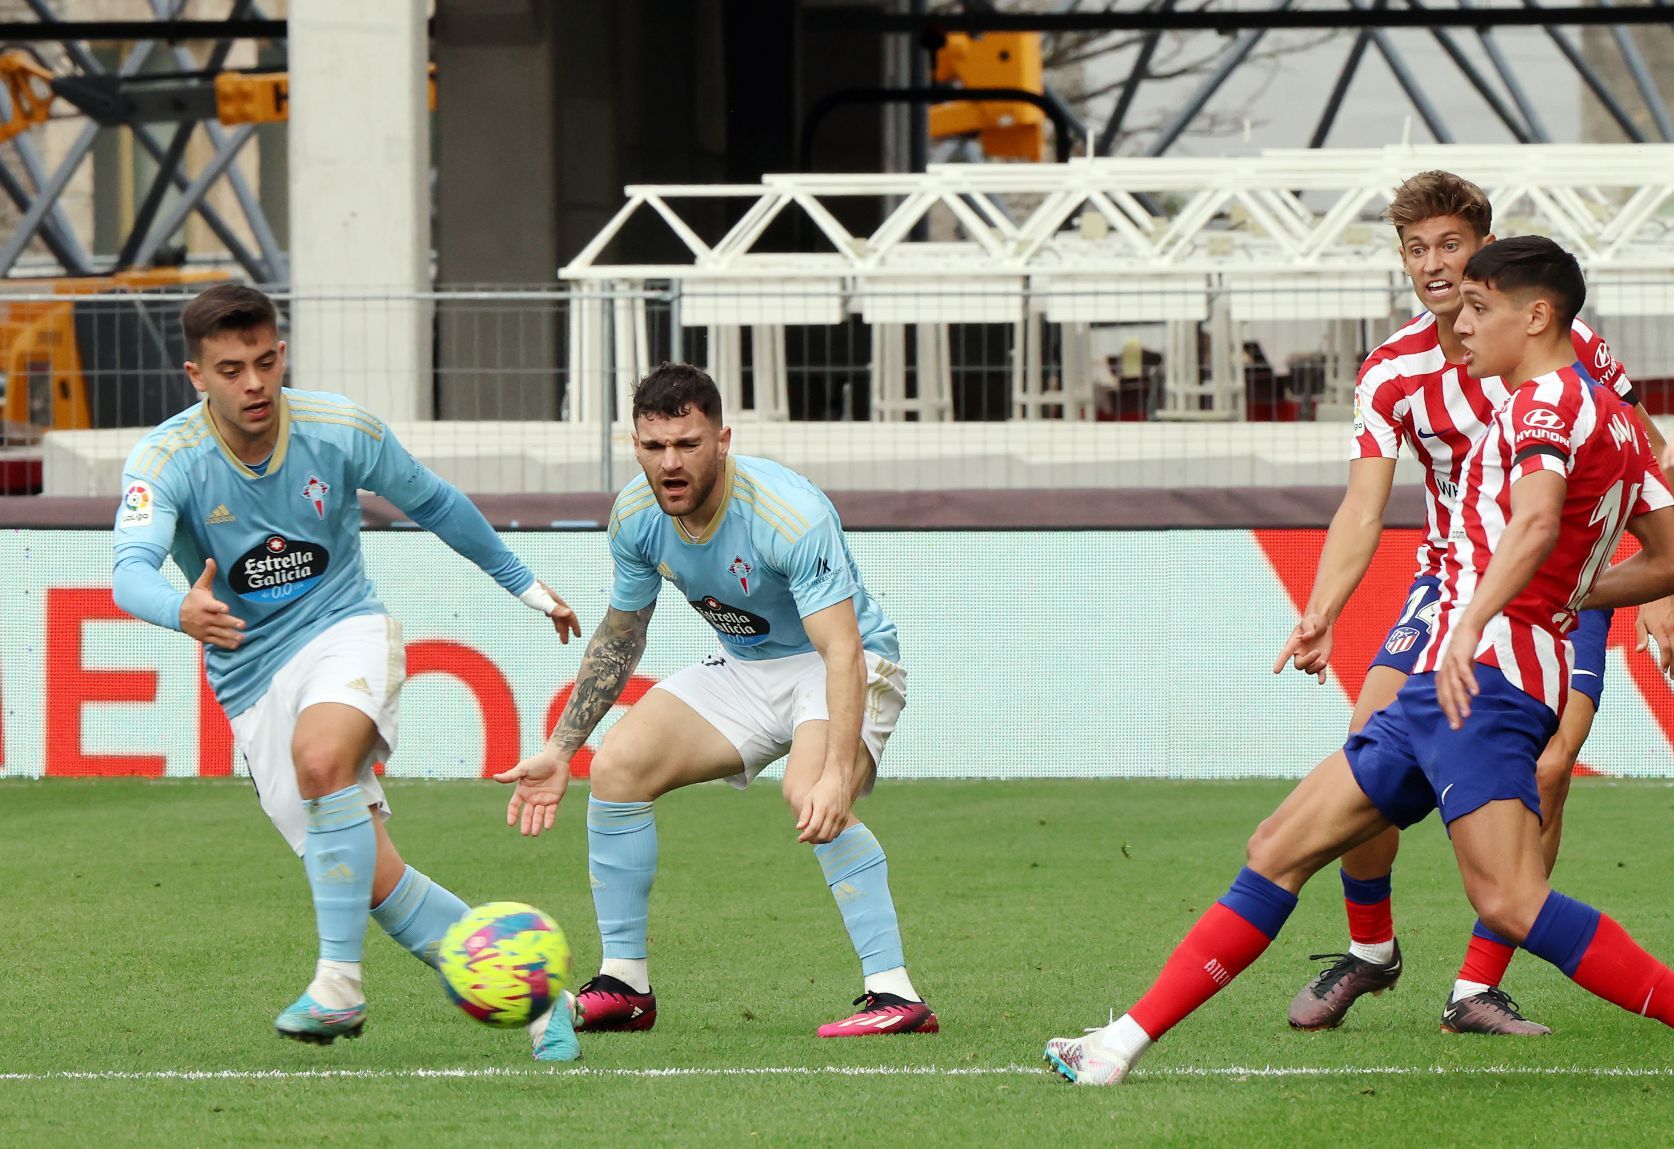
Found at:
[795, 790]
[1260, 850]
[1503, 918]
[1507, 912]
[1281, 851]
[1558, 759]
[1553, 794]
[1552, 777]
[606, 773]
[320, 769]
[617, 774]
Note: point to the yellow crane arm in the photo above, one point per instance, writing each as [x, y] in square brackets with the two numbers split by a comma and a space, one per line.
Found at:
[30, 87]
[265, 97]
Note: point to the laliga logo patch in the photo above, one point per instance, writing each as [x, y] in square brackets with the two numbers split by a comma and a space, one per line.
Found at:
[740, 570]
[136, 506]
[315, 491]
[1544, 418]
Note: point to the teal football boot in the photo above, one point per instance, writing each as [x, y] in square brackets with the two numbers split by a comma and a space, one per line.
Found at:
[553, 1033]
[307, 1020]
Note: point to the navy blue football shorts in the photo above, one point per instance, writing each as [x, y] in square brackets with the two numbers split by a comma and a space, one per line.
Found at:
[1590, 638]
[1409, 762]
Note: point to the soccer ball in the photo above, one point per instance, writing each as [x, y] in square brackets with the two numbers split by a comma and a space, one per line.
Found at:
[504, 963]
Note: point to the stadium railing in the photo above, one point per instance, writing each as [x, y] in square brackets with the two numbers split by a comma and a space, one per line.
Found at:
[903, 387]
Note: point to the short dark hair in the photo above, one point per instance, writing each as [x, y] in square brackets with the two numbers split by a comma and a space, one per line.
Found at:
[225, 307]
[1433, 194]
[1532, 263]
[676, 388]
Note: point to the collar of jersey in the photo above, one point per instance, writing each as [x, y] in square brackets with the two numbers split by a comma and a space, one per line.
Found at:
[275, 460]
[715, 521]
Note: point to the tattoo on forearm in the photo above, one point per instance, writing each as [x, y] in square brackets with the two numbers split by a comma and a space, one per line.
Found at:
[612, 654]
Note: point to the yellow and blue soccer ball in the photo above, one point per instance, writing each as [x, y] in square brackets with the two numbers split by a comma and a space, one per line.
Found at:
[504, 963]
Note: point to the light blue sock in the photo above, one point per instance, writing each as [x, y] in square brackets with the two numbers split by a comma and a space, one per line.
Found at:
[622, 861]
[417, 913]
[858, 874]
[339, 853]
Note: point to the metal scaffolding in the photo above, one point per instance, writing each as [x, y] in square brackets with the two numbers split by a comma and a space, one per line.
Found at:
[122, 96]
[1198, 244]
[1242, 28]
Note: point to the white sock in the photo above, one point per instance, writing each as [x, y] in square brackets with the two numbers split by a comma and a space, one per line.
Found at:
[1381, 952]
[336, 984]
[634, 971]
[1125, 1037]
[1463, 989]
[893, 981]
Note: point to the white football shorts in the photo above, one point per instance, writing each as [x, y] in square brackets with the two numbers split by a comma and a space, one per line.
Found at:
[360, 662]
[757, 704]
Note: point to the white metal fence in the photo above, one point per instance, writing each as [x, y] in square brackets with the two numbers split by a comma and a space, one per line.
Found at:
[932, 385]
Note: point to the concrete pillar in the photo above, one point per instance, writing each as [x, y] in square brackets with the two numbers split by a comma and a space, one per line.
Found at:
[360, 203]
[544, 112]
[496, 191]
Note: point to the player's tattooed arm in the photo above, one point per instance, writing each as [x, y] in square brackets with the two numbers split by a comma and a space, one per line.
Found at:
[612, 654]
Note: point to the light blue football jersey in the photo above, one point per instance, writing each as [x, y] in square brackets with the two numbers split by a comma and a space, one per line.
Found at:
[286, 542]
[773, 554]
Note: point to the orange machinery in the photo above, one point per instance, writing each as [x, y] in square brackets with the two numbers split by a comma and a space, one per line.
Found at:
[105, 354]
[1006, 128]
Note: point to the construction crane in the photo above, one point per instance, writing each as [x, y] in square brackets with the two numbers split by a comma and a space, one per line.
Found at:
[1009, 129]
[249, 96]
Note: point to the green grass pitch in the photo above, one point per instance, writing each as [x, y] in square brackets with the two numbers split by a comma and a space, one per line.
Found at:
[152, 930]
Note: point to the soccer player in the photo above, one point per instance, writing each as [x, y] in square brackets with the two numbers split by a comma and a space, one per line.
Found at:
[253, 491]
[1547, 491]
[1416, 390]
[807, 667]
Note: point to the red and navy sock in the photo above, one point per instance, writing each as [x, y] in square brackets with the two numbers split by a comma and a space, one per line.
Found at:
[1487, 957]
[1600, 957]
[1226, 939]
[1370, 919]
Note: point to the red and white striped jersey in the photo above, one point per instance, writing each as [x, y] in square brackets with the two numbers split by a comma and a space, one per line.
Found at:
[1559, 422]
[1409, 391]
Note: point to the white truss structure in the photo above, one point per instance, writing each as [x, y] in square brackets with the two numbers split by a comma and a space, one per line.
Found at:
[1197, 243]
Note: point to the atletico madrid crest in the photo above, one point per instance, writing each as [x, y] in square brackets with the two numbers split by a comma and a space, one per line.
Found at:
[1401, 639]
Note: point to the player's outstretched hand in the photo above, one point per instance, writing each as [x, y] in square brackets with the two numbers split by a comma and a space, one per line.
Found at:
[208, 619]
[825, 812]
[1308, 648]
[541, 782]
[563, 616]
[1656, 632]
[1456, 678]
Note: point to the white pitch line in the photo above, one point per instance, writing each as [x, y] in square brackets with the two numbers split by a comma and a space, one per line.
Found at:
[1235, 1072]
[492, 1072]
